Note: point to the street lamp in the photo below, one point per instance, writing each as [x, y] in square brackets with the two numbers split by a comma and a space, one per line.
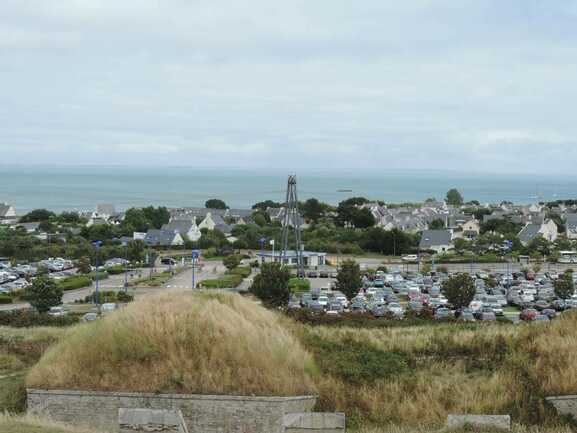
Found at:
[125, 266]
[97, 245]
[195, 255]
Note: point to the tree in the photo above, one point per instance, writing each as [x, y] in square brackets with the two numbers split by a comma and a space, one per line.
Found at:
[44, 293]
[37, 215]
[231, 262]
[215, 203]
[459, 290]
[83, 265]
[349, 279]
[271, 285]
[264, 205]
[454, 197]
[564, 286]
[437, 224]
[312, 209]
[136, 250]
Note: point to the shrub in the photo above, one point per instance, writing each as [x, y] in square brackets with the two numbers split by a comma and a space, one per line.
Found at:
[115, 270]
[30, 318]
[5, 299]
[227, 281]
[243, 271]
[76, 282]
[299, 285]
[271, 285]
[44, 293]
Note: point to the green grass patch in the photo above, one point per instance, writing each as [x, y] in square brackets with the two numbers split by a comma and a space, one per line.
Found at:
[356, 362]
[227, 281]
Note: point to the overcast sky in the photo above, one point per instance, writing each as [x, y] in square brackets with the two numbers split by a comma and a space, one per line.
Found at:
[369, 84]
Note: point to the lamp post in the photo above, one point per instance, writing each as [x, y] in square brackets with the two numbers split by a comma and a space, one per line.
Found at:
[96, 299]
[125, 266]
[195, 255]
[262, 241]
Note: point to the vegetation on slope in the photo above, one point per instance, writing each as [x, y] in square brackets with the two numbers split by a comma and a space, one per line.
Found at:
[419, 375]
[29, 424]
[207, 343]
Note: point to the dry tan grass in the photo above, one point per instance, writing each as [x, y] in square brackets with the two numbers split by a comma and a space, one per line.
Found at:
[425, 429]
[207, 343]
[31, 424]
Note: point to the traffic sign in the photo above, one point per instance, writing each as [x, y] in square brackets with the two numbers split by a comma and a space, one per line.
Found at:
[195, 254]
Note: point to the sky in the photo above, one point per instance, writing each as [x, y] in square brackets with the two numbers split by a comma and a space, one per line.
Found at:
[379, 85]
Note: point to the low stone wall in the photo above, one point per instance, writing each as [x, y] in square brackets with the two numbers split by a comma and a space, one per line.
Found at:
[202, 413]
[500, 422]
[565, 405]
[310, 422]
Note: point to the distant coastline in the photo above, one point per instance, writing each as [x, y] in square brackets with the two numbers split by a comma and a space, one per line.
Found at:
[81, 187]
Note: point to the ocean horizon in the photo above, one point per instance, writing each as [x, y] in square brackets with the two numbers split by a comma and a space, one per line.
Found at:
[70, 187]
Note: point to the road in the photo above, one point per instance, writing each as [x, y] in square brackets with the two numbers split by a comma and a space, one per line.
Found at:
[116, 282]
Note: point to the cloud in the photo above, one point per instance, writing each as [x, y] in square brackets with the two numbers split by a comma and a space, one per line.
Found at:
[468, 85]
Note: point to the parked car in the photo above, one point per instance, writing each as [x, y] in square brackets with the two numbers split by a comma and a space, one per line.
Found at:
[541, 318]
[89, 317]
[312, 274]
[467, 315]
[443, 313]
[529, 314]
[549, 312]
[58, 311]
[487, 316]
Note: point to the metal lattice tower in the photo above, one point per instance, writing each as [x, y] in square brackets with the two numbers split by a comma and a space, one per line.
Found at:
[292, 221]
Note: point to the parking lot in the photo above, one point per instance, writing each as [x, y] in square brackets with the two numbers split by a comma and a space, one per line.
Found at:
[396, 295]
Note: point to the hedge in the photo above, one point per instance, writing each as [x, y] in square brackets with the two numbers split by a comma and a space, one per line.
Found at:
[228, 281]
[5, 299]
[243, 271]
[76, 282]
[30, 318]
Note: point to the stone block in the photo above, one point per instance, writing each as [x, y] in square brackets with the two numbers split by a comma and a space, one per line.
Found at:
[502, 422]
[565, 405]
[151, 420]
[313, 422]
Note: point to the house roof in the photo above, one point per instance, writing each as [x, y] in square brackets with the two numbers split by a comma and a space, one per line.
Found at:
[434, 238]
[105, 209]
[33, 226]
[571, 222]
[4, 209]
[529, 232]
[181, 226]
[160, 237]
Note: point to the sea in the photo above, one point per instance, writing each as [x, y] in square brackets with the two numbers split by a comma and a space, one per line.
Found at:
[81, 188]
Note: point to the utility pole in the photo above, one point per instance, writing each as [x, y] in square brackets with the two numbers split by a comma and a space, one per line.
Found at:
[125, 267]
[292, 220]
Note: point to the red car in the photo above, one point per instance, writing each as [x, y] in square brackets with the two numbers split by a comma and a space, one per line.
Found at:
[528, 314]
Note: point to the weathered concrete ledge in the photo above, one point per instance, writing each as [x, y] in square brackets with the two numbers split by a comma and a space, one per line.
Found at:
[501, 422]
[313, 422]
[564, 404]
[202, 413]
[151, 420]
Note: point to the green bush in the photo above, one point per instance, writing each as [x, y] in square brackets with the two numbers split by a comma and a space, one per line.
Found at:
[115, 270]
[30, 318]
[76, 282]
[228, 281]
[5, 299]
[105, 296]
[299, 285]
[243, 271]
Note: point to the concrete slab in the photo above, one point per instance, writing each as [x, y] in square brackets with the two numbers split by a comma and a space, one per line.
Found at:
[502, 422]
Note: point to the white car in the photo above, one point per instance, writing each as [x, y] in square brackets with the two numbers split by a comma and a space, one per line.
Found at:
[323, 300]
[58, 311]
[107, 308]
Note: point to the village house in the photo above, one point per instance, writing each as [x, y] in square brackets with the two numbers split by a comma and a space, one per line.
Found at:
[436, 240]
[187, 228]
[571, 225]
[7, 214]
[163, 238]
[547, 230]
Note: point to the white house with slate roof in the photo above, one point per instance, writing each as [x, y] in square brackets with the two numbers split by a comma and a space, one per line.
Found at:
[7, 213]
[547, 230]
[186, 228]
[163, 238]
[436, 240]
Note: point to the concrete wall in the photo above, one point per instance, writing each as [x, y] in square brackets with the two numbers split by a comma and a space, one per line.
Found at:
[565, 405]
[202, 413]
[314, 422]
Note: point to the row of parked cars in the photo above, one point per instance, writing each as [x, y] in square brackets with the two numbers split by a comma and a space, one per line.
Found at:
[394, 294]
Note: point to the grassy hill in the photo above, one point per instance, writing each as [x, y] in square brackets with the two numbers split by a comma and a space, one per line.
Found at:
[11, 424]
[209, 343]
